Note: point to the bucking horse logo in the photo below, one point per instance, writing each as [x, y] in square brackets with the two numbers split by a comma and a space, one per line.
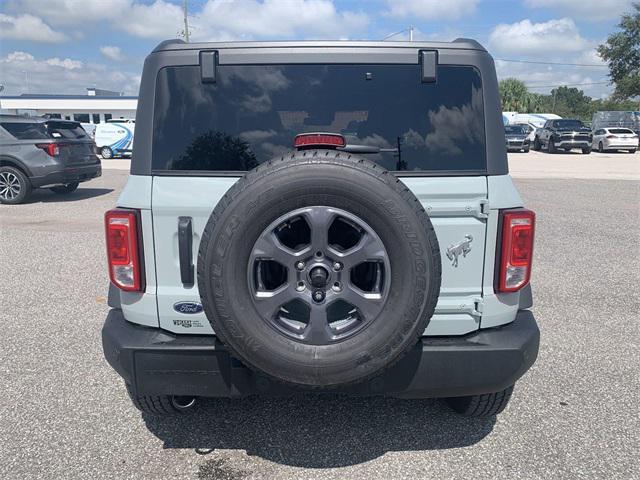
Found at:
[460, 248]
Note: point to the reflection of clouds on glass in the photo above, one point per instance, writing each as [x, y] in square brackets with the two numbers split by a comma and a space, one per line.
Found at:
[452, 126]
[412, 139]
[252, 136]
[262, 81]
[256, 104]
[275, 150]
[374, 140]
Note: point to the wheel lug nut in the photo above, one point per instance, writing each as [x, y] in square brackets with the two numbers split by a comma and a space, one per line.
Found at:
[300, 286]
[318, 296]
[300, 265]
[337, 266]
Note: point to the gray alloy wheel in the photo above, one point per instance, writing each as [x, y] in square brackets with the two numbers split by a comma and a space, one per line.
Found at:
[14, 186]
[106, 152]
[313, 293]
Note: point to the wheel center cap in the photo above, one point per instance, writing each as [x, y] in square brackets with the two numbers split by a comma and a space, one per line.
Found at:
[319, 277]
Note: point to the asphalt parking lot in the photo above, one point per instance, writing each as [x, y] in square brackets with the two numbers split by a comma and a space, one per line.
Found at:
[65, 413]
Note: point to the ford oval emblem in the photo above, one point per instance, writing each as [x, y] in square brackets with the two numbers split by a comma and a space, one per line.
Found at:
[187, 307]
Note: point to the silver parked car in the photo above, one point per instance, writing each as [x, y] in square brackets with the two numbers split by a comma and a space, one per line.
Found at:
[614, 139]
[516, 138]
[38, 152]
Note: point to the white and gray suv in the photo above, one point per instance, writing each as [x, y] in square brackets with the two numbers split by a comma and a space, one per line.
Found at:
[320, 216]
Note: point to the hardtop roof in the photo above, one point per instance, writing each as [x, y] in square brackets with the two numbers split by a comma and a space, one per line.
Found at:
[457, 44]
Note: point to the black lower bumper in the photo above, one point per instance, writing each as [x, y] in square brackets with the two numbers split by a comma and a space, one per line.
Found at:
[72, 174]
[156, 362]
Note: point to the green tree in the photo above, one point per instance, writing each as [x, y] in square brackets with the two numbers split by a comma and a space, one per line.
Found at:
[569, 102]
[514, 95]
[622, 52]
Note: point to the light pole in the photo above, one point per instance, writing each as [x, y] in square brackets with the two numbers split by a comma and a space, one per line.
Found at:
[185, 10]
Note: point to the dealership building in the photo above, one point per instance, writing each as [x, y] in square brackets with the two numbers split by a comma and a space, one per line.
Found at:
[97, 106]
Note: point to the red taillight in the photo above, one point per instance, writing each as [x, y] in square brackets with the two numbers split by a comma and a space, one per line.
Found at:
[517, 249]
[310, 140]
[123, 251]
[52, 149]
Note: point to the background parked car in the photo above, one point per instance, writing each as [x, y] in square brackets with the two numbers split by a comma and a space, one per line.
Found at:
[37, 152]
[516, 138]
[614, 139]
[563, 134]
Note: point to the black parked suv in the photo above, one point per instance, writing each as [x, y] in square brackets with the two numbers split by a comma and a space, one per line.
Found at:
[38, 152]
[563, 134]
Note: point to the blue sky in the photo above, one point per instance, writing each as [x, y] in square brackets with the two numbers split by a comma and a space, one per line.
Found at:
[64, 46]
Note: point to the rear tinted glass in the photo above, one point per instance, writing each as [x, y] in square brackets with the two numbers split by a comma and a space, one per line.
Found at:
[568, 124]
[69, 130]
[619, 130]
[26, 131]
[513, 129]
[253, 113]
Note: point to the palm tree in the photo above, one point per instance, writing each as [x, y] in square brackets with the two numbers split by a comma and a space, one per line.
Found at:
[513, 94]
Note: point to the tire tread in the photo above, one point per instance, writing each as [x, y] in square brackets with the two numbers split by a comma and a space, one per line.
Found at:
[153, 404]
[483, 405]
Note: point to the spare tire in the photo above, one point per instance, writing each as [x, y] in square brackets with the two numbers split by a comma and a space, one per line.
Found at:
[319, 268]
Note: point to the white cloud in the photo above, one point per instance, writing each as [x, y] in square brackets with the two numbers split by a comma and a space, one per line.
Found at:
[77, 12]
[224, 19]
[217, 20]
[546, 38]
[67, 63]
[112, 53]
[159, 20]
[588, 9]
[543, 78]
[56, 75]
[431, 9]
[28, 27]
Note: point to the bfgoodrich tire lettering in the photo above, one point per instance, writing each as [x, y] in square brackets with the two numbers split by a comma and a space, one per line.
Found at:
[332, 179]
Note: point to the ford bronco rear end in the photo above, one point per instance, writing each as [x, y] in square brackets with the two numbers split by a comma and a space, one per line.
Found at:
[327, 216]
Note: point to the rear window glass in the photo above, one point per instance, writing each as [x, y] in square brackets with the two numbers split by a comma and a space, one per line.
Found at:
[26, 131]
[515, 129]
[253, 113]
[619, 130]
[68, 130]
[568, 124]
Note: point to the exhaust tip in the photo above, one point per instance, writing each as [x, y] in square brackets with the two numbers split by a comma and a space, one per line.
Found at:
[183, 402]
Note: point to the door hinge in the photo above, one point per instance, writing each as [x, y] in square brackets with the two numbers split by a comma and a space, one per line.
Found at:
[484, 208]
[478, 305]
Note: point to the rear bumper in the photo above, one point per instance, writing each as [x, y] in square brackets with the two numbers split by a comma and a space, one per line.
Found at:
[156, 362]
[621, 146]
[81, 173]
